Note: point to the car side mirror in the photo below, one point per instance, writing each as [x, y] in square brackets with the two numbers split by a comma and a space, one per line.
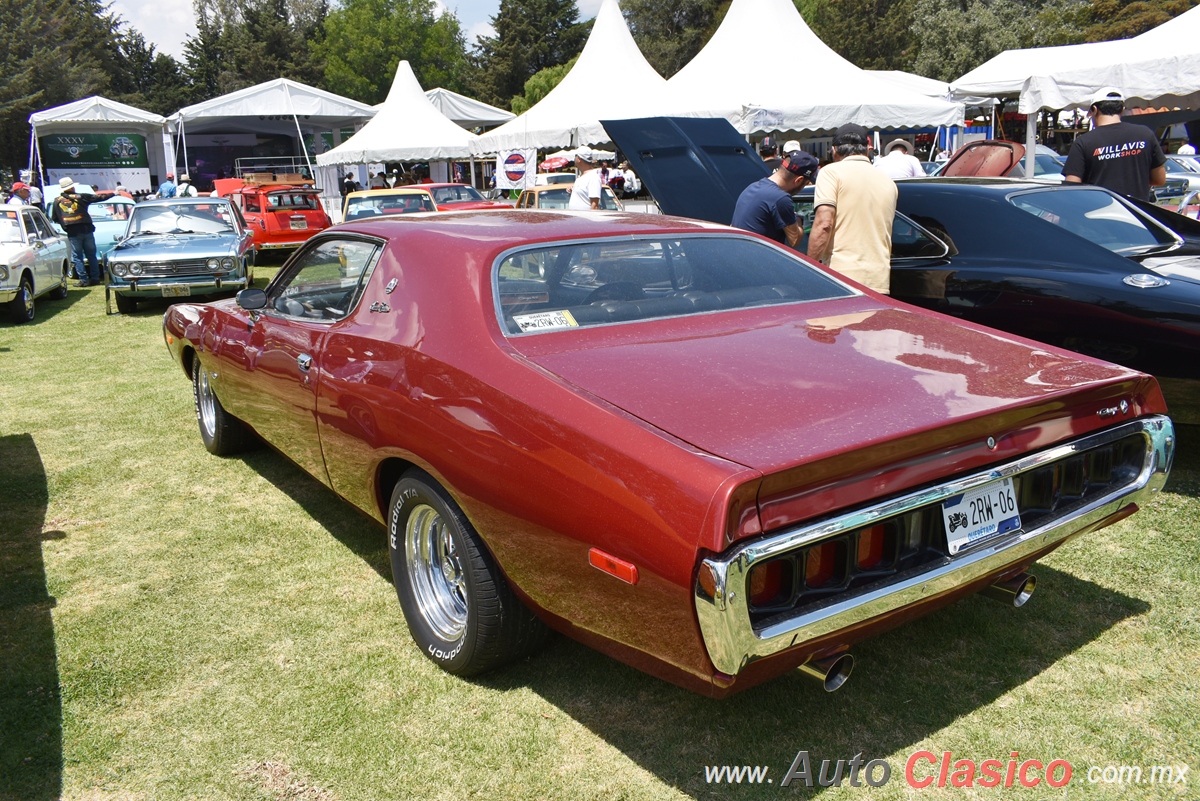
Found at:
[251, 299]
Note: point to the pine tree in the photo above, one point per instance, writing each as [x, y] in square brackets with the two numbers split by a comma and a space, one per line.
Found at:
[531, 35]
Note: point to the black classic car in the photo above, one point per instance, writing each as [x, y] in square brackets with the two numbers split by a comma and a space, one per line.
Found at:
[1075, 266]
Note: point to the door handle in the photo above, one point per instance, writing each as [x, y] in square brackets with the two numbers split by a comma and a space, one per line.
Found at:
[305, 362]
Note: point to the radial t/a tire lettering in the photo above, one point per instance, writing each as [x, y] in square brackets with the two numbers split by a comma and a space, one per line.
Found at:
[222, 433]
[458, 605]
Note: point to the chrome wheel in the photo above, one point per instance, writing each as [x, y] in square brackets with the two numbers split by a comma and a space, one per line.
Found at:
[206, 408]
[435, 572]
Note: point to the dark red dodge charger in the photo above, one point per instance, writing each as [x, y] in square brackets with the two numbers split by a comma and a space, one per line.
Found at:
[677, 442]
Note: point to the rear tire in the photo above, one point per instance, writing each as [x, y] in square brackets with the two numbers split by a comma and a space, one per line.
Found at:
[222, 433]
[458, 605]
[126, 304]
[21, 308]
[60, 291]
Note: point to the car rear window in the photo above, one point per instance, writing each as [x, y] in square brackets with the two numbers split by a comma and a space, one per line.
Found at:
[305, 201]
[455, 194]
[1098, 217]
[582, 284]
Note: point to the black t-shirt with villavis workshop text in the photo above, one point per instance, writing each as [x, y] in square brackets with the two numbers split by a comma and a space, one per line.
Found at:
[1118, 157]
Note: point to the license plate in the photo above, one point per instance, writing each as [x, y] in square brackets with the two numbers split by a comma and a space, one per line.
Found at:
[978, 514]
[176, 291]
[299, 225]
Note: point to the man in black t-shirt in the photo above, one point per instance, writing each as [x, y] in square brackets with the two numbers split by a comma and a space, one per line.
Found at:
[1116, 155]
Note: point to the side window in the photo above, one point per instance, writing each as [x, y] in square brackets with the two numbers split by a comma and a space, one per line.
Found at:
[44, 231]
[326, 281]
[30, 227]
[909, 241]
[252, 203]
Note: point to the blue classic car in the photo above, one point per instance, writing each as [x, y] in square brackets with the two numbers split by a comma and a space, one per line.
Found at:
[111, 217]
[178, 247]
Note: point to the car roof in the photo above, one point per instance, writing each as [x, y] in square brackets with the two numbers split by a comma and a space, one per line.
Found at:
[203, 200]
[506, 227]
[399, 190]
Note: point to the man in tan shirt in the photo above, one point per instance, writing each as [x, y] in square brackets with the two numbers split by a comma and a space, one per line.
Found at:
[854, 204]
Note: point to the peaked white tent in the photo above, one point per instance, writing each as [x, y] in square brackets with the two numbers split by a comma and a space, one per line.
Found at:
[99, 115]
[466, 111]
[408, 127]
[611, 81]
[738, 76]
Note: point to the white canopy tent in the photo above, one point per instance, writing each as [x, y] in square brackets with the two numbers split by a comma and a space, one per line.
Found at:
[466, 111]
[280, 106]
[408, 127]
[763, 99]
[1161, 66]
[93, 115]
[611, 81]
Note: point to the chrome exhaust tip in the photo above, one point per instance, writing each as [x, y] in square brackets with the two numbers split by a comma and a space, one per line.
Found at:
[832, 671]
[1015, 591]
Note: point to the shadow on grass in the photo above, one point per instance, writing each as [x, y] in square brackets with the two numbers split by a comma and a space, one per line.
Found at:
[356, 530]
[907, 685]
[44, 309]
[31, 759]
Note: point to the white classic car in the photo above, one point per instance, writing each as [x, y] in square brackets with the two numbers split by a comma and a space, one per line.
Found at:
[34, 260]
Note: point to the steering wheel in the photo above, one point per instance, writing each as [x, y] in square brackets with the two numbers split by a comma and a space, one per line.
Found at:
[616, 290]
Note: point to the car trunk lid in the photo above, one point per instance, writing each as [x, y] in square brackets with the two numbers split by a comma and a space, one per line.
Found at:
[852, 392]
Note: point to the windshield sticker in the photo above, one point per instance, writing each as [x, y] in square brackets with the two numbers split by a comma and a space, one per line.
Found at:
[12, 215]
[545, 321]
[1049, 216]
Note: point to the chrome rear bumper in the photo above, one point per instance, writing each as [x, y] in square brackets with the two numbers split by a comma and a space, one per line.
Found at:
[733, 642]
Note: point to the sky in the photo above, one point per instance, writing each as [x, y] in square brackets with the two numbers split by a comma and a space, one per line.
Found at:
[166, 23]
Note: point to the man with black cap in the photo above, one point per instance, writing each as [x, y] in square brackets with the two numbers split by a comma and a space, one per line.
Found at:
[854, 205]
[1120, 156]
[765, 206]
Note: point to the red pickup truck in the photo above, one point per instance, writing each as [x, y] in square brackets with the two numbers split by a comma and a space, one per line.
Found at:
[281, 216]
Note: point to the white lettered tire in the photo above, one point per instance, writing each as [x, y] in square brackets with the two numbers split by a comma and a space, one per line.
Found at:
[458, 605]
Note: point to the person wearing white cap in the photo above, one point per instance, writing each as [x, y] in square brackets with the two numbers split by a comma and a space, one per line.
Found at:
[1120, 156]
[585, 192]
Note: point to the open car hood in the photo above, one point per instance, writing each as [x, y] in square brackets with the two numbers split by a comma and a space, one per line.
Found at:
[693, 167]
[990, 158]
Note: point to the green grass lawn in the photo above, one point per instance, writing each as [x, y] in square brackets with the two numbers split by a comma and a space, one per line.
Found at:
[179, 626]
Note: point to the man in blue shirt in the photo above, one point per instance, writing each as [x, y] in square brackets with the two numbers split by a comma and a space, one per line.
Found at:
[167, 187]
[765, 206]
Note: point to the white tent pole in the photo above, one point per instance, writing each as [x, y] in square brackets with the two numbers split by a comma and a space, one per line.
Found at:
[1030, 142]
[168, 143]
[38, 149]
[32, 142]
[288, 92]
[183, 138]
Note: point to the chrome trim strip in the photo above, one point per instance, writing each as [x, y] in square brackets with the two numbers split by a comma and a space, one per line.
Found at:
[143, 286]
[724, 620]
[280, 245]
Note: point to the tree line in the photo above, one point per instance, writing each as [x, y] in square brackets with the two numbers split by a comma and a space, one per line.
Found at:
[56, 51]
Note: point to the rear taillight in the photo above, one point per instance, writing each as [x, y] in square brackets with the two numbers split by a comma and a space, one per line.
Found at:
[870, 547]
[821, 565]
[771, 583]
